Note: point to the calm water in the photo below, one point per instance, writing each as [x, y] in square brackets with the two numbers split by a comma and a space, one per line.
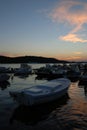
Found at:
[68, 113]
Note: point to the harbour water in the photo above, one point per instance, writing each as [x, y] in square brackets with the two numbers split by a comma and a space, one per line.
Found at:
[67, 113]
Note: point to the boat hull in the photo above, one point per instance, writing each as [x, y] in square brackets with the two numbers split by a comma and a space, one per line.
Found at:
[37, 96]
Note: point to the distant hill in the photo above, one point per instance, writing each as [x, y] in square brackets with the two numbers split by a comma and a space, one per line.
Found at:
[29, 59]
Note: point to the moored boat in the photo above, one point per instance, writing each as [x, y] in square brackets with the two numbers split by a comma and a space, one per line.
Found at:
[23, 69]
[42, 93]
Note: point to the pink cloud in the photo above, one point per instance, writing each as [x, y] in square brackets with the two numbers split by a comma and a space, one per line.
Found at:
[72, 38]
[65, 12]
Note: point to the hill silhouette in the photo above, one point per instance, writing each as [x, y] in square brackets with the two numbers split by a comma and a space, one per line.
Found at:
[29, 59]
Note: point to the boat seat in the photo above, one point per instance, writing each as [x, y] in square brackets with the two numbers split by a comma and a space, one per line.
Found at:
[33, 90]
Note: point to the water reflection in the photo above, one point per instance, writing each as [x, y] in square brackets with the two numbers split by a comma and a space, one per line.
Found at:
[23, 76]
[41, 78]
[83, 85]
[35, 114]
[82, 82]
[51, 78]
[45, 77]
[85, 90]
[4, 85]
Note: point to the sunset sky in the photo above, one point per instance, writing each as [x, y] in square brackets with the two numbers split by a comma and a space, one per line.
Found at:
[48, 28]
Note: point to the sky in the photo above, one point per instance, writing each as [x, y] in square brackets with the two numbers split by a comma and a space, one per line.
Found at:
[47, 28]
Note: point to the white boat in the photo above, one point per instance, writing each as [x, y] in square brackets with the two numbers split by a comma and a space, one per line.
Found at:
[23, 69]
[42, 93]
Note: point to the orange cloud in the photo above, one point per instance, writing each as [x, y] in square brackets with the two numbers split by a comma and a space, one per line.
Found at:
[74, 13]
[72, 38]
[78, 53]
[74, 58]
